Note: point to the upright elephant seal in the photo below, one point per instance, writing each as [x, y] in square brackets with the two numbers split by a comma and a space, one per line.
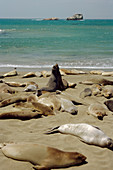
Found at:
[42, 156]
[87, 133]
[56, 82]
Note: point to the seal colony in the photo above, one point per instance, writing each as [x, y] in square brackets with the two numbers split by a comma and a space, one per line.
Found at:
[51, 98]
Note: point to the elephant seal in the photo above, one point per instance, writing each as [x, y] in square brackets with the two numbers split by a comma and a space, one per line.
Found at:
[87, 133]
[99, 81]
[109, 104]
[107, 73]
[4, 88]
[29, 75]
[97, 110]
[32, 86]
[55, 82]
[11, 73]
[57, 102]
[86, 92]
[13, 99]
[15, 84]
[96, 72]
[107, 91]
[41, 156]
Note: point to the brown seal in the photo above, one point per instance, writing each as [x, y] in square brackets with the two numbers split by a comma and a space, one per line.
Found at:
[4, 88]
[86, 92]
[42, 157]
[109, 104]
[99, 81]
[56, 82]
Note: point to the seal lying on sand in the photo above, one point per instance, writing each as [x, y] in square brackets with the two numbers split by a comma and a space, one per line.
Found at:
[109, 104]
[86, 92]
[42, 156]
[97, 110]
[57, 102]
[29, 75]
[11, 73]
[107, 91]
[87, 133]
[15, 84]
[4, 88]
[55, 82]
[32, 86]
[99, 81]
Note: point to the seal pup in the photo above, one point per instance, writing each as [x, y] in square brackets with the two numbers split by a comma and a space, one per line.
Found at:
[32, 86]
[97, 110]
[86, 133]
[109, 104]
[41, 156]
[86, 92]
[107, 91]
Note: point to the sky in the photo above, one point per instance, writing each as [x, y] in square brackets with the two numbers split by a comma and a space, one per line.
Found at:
[91, 9]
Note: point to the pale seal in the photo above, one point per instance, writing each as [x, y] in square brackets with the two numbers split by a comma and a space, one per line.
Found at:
[32, 86]
[11, 73]
[41, 156]
[29, 75]
[15, 84]
[87, 133]
[57, 102]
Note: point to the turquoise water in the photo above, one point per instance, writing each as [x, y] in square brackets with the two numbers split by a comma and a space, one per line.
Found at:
[39, 44]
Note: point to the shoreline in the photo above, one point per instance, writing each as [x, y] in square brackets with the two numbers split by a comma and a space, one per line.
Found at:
[48, 68]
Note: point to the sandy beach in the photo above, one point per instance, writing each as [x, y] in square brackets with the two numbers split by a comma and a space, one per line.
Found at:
[32, 131]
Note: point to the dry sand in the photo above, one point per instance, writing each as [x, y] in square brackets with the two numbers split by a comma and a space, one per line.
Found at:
[13, 130]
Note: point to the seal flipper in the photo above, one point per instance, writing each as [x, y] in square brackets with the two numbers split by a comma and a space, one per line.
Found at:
[53, 130]
[39, 167]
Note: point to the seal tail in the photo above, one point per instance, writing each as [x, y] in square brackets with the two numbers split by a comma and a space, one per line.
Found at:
[52, 131]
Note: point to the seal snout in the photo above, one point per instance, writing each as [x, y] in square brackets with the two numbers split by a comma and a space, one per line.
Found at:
[80, 159]
[110, 144]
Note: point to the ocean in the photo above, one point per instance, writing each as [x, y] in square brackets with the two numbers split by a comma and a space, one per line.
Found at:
[39, 44]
